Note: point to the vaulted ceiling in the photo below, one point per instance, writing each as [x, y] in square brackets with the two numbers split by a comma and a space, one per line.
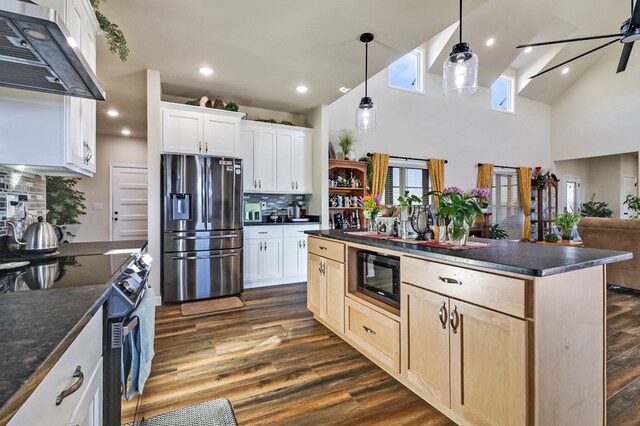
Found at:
[261, 50]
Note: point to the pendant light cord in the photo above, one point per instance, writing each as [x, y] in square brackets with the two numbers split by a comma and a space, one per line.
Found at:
[461, 21]
[366, 66]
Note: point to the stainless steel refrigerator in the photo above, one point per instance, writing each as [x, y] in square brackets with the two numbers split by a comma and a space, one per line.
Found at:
[202, 227]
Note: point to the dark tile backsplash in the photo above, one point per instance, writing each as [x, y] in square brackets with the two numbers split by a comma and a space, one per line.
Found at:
[15, 182]
[275, 201]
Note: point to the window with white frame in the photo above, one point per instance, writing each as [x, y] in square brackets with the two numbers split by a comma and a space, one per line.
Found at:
[401, 179]
[505, 204]
[502, 94]
[407, 73]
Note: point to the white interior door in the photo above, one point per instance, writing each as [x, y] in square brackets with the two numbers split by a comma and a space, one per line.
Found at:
[629, 187]
[572, 193]
[128, 203]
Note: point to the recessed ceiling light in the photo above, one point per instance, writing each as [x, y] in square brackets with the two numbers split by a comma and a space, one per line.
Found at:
[528, 49]
[205, 70]
[126, 132]
[301, 89]
[112, 113]
[490, 42]
[344, 89]
[565, 70]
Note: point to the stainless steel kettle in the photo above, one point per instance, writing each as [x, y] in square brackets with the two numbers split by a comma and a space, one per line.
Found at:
[40, 237]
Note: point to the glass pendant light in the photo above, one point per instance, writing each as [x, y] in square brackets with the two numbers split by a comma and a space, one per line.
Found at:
[460, 69]
[366, 111]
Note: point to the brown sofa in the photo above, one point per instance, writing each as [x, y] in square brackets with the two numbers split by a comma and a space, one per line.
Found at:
[615, 234]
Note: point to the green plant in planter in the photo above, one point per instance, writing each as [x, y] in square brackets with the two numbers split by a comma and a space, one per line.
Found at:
[566, 222]
[633, 202]
[595, 208]
[406, 200]
[346, 141]
[551, 237]
[497, 233]
[231, 106]
[459, 209]
[64, 203]
[115, 38]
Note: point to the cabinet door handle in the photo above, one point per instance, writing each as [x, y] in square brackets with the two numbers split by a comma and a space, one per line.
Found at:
[320, 267]
[304, 244]
[259, 183]
[206, 146]
[292, 185]
[449, 280]
[443, 314]
[260, 245]
[454, 318]
[74, 387]
[296, 184]
[255, 183]
[368, 330]
[265, 246]
[299, 243]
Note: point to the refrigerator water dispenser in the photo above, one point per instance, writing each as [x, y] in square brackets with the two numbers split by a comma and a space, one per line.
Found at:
[181, 206]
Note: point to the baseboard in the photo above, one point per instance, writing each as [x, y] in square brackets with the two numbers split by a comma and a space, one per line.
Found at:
[158, 300]
[274, 281]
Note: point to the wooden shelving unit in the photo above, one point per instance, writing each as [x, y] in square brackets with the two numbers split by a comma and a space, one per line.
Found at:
[348, 169]
[544, 206]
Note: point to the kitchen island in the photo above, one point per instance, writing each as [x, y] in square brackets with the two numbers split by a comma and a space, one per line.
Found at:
[38, 326]
[512, 334]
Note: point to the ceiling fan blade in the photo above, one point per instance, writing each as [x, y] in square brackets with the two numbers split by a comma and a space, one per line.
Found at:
[574, 58]
[624, 57]
[635, 18]
[568, 40]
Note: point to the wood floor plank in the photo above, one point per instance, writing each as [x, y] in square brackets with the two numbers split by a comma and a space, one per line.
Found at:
[277, 365]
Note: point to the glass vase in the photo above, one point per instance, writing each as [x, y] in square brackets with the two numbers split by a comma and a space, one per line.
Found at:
[458, 232]
[371, 223]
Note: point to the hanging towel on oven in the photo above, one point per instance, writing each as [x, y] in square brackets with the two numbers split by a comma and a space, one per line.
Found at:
[137, 348]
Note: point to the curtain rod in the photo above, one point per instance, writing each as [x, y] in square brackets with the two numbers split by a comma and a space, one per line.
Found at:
[369, 154]
[502, 167]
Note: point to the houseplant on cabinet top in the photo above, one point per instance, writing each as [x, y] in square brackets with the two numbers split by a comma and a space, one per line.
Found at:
[346, 141]
[460, 210]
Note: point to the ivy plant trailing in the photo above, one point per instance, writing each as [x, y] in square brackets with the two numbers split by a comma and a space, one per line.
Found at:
[115, 37]
[64, 202]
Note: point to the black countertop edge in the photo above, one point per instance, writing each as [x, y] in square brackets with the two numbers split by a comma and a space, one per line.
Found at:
[82, 249]
[529, 259]
[309, 222]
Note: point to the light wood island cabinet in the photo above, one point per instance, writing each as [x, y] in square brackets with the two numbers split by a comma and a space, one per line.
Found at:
[485, 346]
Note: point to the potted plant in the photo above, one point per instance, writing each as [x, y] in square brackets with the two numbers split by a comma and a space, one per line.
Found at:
[595, 208]
[371, 206]
[460, 210]
[566, 222]
[497, 233]
[405, 211]
[64, 203]
[482, 195]
[633, 202]
[346, 141]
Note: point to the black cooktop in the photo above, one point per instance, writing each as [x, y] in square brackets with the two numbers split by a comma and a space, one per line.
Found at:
[60, 272]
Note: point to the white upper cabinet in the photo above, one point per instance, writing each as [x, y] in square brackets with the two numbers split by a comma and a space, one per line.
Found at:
[277, 158]
[54, 134]
[188, 129]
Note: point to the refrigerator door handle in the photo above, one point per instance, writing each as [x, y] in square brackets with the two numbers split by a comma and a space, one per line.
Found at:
[213, 256]
[211, 237]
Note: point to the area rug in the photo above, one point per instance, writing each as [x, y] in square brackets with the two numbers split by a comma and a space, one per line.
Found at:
[217, 412]
[210, 306]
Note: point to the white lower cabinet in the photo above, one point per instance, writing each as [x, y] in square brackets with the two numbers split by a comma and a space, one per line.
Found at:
[79, 373]
[275, 254]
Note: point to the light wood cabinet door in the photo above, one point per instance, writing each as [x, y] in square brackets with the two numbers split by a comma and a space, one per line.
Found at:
[333, 275]
[181, 131]
[284, 166]
[425, 342]
[314, 283]
[488, 365]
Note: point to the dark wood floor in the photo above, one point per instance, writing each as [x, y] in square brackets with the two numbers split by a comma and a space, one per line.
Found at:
[279, 366]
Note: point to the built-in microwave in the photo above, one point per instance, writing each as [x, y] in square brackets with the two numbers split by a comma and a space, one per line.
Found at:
[379, 276]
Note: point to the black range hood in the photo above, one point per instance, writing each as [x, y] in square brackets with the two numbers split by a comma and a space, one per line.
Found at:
[35, 53]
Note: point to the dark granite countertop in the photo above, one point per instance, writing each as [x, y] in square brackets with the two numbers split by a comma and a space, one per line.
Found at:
[36, 327]
[313, 220]
[536, 260]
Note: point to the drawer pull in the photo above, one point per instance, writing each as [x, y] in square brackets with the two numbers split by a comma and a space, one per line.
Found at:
[443, 314]
[454, 319]
[449, 280]
[368, 330]
[73, 388]
[322, 248]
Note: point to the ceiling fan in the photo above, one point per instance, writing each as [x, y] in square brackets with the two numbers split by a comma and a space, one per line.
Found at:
[629, 33]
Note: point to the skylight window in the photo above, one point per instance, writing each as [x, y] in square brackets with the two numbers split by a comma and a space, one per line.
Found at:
[407, 72]
[502, 94]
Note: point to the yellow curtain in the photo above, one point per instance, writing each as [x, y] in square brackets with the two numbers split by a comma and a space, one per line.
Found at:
[485, 175]
[524, 189]
[380, 164]
[436, 175]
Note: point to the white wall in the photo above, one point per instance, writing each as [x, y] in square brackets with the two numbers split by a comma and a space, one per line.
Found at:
[319, 200]
[464, 131]
[598, 114]
[110, 150]
[154, 129]
[574, 168]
